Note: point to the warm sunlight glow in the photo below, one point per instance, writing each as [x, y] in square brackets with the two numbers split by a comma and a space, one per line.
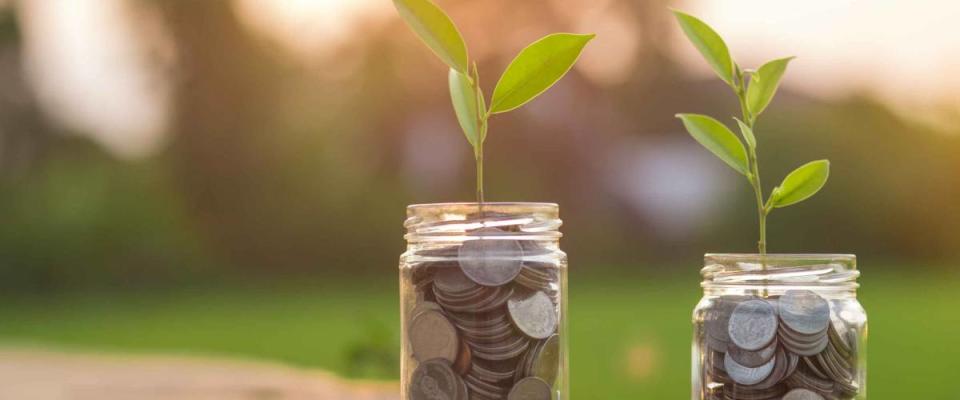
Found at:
[309, 27]
[911, 49]
[88, 63]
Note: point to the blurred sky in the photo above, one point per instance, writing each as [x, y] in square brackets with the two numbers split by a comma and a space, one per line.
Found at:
[87, 63]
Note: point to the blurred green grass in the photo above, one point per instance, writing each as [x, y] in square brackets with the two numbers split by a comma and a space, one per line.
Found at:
[630, 334]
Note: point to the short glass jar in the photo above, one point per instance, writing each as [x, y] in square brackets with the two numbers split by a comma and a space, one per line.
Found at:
[483, 303]
[779, 326]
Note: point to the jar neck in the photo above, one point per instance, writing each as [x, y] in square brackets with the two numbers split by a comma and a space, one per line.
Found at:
[833, 275]
[452, 223]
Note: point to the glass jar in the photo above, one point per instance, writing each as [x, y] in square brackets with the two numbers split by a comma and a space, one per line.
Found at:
[483, 303]
[781, 326]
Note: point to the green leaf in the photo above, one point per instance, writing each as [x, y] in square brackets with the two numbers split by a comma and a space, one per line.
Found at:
[763, 85]
[709, 43]
[800, 184]
[717, 138]
[436, 30]
[536, 68]
[747, 134]
[464, 98]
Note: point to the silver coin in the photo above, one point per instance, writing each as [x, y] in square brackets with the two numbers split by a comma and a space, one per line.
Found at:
[745, 375]
[802, 344]
[432, 336]
[484, 390]
[452, 280]
[804, 311]
[753, 325]
[433, 380]
[533, 313]
[717, 318]
[802, 394]
[545, 363]
[490, 261]
[531, 388]
[753, 359]
[780, 366]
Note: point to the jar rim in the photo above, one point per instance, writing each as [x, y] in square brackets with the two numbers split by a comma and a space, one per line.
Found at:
[527, 205]
[824, 271]
[458, 222]
[782, 256]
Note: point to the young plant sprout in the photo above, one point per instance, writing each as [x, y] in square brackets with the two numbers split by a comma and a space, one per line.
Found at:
[533, 71]
[754, 89]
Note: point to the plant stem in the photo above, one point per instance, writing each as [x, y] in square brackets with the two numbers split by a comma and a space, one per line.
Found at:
[754, 177]
[479, 157]
[482, 116]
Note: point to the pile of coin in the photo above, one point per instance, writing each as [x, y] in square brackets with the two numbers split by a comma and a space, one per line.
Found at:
[777, 347]
[485, 322]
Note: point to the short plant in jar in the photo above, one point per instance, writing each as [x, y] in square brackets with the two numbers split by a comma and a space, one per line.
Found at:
[770, 326]
[482, 285]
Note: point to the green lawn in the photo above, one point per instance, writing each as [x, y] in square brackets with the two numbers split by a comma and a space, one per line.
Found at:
[630, 336]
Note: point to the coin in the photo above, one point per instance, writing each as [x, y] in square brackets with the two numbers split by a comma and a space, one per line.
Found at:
[499, 351]
[464, 358]
[753, 325]
[490, 261]
[781, 365]
[804, 378]
[432, 336]
[433, 379]
[531, 388]
[533, 313]
[546, 360]
[804, 311]
[753, 359]
[717, 321]
[802, 394]
[452, 280]
[490, 371]
[424, 306]
[804, 346]
[744, 375]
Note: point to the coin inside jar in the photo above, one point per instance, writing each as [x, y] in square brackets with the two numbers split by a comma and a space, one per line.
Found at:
[533, 313]
[753, 325]
[804, 311]
[745, 375]
[531, 388]
[802, 394]
[432, 336]
[546, 360]
[491, 261]
[433, 379]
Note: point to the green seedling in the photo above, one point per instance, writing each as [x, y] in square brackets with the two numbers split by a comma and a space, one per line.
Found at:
[533, 71]
[754, 89]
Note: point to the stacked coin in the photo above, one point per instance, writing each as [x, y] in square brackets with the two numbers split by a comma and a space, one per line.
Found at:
[777, 347]
[485, 322]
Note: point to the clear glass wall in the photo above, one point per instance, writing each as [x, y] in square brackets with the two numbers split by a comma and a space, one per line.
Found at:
[483, 302]
[782, 326]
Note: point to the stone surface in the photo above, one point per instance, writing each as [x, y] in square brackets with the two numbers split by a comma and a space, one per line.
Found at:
[47, 375]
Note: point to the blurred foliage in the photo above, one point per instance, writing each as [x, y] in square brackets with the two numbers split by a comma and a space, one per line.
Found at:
[373, 354]
[277, 167]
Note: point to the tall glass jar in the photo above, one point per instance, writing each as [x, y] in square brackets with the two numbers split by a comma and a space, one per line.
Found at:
[483, 303]
[781, 326]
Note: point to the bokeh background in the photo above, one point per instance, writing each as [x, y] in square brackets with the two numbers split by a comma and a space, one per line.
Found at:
[229, 178]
